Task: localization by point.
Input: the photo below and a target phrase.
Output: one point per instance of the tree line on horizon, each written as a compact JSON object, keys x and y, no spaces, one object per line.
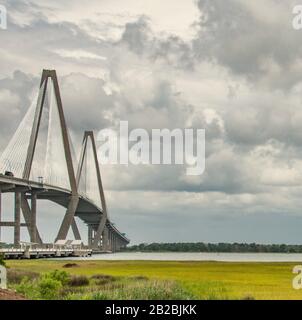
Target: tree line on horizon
{"x":215,"y":247}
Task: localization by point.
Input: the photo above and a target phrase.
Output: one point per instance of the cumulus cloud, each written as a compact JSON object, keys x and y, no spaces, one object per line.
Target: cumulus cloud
{"x":255,"y":40}
{"x":238,"y":77}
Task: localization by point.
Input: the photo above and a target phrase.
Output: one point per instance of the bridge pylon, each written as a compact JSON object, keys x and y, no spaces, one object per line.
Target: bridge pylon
{"x":18,"y":166}
{"x":95,"y":232}
{"x":74,"y":198}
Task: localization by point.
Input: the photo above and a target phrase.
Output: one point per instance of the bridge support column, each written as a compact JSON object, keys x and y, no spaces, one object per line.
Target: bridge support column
{"x":28,"y":216}
{"x":90,"y":239}
{"x":105,"y":239}
{"x":121,"y":244}
{"x":114,"y":242}
{"x":117,"y":239}
{"x":109,"y":241}
{"x":99,"y":231}
{"x":17,"y":219}
{"x":118,"y":247}
{"x":33,"y":218}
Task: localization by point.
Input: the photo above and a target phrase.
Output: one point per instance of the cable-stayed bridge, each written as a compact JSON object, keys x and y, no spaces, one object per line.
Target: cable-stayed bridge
{"x":40,"y":163}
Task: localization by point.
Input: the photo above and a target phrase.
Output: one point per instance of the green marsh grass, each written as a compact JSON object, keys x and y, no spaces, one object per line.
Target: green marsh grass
{"x":200,"y":280}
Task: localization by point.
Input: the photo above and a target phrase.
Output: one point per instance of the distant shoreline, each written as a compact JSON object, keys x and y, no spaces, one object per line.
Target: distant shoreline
{"x":200,"y":247}
{"x":126,"y":251}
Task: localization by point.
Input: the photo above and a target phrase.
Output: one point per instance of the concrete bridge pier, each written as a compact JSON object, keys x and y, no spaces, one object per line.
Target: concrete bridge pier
{"x":121,"y":244}
{"x":110,"y":241}
{"x":17,"y":219}
{"x":90,"y":236}
{"x":114,"y":243}
{"x":118,"y":244}
{"x":105,"y":239}
{"x":33,"y":218}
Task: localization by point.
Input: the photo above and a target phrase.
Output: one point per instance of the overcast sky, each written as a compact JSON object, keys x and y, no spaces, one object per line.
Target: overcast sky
{"x":232,"y":67}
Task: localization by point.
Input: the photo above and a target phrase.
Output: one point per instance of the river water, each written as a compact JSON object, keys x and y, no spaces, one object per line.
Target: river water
{"x":190,"y":256}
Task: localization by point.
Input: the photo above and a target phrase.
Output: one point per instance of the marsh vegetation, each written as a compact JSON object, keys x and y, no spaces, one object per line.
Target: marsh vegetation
{"x":164,"y":280}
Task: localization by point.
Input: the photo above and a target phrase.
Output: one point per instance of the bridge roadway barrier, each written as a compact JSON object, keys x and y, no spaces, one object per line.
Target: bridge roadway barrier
{"x":13,"y":253}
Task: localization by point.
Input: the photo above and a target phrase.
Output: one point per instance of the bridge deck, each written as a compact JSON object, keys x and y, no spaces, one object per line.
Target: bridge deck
{"x":87,"y":211}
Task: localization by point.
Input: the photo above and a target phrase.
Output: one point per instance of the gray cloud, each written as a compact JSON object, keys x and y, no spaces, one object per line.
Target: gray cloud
{"x":255,"y":40}
{"x":139,"y":38}
{"x":15,"y":94}
{"x":239,"y":79}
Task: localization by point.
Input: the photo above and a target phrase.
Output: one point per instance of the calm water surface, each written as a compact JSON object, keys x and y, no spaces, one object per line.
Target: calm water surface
{"x":189,"y":256}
